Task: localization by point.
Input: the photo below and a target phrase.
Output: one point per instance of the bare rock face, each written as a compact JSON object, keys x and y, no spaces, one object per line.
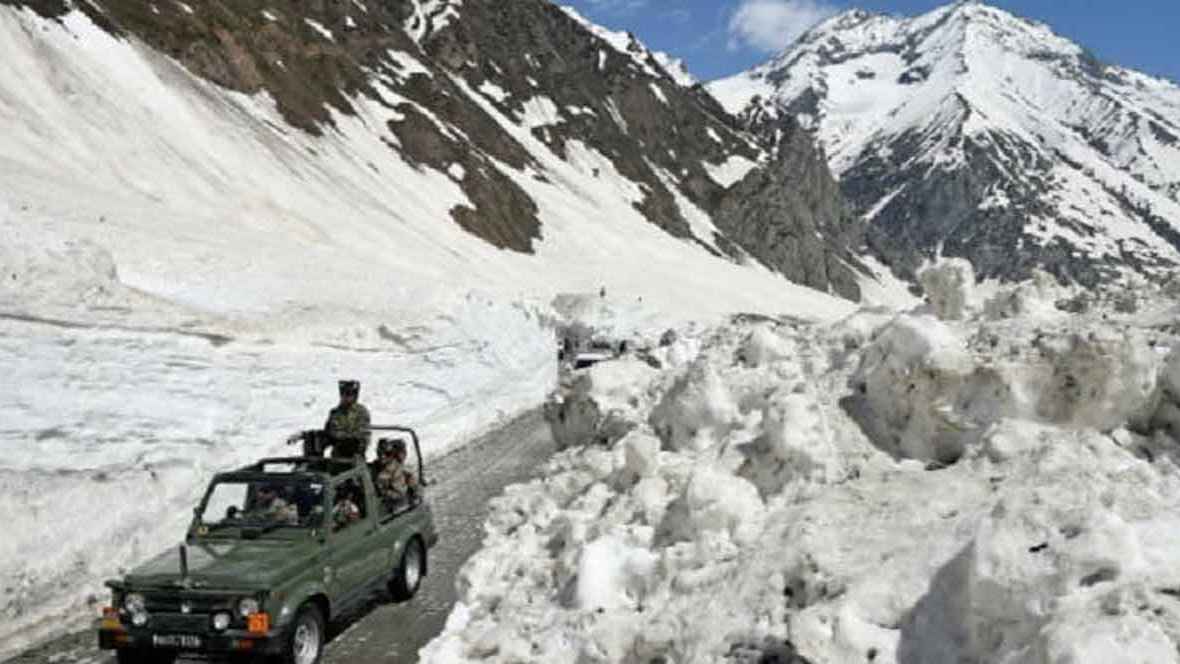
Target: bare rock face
{"x":485,"y":90}
{"x":790,"y":217}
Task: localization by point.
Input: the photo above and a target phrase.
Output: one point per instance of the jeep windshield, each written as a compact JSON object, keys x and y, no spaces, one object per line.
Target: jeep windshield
{"x":261,"y":506}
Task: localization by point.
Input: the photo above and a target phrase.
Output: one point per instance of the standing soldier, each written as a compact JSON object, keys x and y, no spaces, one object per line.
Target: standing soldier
{"x":347,"y":427}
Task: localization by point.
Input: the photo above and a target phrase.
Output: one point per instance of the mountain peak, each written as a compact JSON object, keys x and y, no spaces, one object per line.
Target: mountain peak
{"x":1024,"y":129}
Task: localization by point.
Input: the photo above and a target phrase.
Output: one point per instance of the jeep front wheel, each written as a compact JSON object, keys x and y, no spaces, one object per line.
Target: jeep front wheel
{"x":305,"y":644}
{"x":408,"y":574}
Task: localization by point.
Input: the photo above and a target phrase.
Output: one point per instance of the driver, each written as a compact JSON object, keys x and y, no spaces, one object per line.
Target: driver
{"x":269,"y":506}
{"x":347,"y":427}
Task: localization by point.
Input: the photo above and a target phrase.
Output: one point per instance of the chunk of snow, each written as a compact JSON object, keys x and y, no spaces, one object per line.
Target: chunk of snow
{"x":407,"y":64}
{"x":493,"y":91}
{"x":642,"y":454}
{"x":612,"y":574}
{"x":318,"y":27}
{"x":948,"y":285}
{"x":538,"y":112}
{"x":655,"y":90}
{"x":675,"y":69}
{"x":696,"y":412}
{"x":731,"y":171}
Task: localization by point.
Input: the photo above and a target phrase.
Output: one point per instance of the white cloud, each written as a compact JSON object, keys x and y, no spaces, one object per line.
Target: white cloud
{"x":772,"y":25}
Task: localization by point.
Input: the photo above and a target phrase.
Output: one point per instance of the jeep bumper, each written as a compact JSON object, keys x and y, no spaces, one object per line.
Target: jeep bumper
{"x":227,"y":642}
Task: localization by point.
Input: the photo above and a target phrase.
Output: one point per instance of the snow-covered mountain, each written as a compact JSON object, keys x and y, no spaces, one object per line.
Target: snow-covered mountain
{"x":972,"y":132}
{"x":503,"y":145}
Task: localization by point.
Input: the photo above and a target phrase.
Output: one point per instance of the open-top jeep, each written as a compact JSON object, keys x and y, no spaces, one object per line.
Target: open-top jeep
{"x":275,"y":550}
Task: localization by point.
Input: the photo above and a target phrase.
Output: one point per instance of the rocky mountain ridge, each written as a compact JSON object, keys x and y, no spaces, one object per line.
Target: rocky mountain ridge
{"x":971,"y":132}
{"x":472,"y":85}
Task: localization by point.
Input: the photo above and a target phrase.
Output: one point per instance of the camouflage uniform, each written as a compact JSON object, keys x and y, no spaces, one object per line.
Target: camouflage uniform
{"x":276,"y":510}
{"x":348,"y":429}
{"x":394,"y":482}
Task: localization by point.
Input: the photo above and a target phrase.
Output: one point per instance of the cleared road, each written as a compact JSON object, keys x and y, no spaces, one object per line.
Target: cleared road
{"x":467,"y":479}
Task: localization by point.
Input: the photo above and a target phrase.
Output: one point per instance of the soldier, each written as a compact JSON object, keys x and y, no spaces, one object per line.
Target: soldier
{"x":393,"y":481}
{"x":268,"y":506}
{"x":345,"y":510}
{"x":347,"y":427}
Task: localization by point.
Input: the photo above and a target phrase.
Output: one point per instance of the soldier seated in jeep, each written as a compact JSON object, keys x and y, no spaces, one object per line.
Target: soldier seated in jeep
{"x":396,"y":485}
{"x":268,"y":505}
{"x":345,"y":510}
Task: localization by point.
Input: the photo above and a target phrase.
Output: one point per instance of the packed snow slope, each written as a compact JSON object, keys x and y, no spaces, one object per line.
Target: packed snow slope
{"x":984,"y":479}
{"x":975,"y":133}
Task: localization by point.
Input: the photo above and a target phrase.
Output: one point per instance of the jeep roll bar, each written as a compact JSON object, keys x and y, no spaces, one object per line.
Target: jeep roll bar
{"x":314,"y":443}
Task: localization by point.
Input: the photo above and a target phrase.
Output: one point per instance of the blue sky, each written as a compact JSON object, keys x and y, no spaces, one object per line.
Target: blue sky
{"x":721,"y":37}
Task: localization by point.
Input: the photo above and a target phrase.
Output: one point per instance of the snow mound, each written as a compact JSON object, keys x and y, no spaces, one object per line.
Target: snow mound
{"x":696,"y":411}
{"x":601,"y":403}
{"x":764,"y":346}
{"x":37,"y":269}
{"x":948,"y":286}
{"x":888,"y":488}
{"x":924,"y":390}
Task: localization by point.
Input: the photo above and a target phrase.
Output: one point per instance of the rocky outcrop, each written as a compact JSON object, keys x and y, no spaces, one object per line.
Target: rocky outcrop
{"x":791,"y":217}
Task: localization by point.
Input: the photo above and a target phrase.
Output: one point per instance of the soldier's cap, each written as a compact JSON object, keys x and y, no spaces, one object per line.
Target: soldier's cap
{"x":350,"y":386}
{"x":391,"y":445}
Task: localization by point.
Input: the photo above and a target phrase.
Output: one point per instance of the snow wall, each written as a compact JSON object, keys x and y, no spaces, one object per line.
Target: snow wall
{"x":889,"y":489}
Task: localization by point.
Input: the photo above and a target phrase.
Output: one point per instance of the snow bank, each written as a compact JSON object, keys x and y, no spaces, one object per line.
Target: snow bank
{"x":41,"y":269}
{"x":888,"y":488}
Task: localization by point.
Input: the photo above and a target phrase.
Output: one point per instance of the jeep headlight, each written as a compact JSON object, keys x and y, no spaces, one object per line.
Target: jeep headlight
{"x":221,"y":620}
{"x":134,"y":603}
{"x":248,"y":606}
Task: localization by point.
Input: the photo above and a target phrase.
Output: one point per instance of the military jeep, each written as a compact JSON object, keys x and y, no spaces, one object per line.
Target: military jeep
{"x":268,"y":560}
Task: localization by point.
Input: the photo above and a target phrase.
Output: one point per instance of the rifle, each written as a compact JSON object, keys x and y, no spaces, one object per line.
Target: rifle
{"x":315,"y":441}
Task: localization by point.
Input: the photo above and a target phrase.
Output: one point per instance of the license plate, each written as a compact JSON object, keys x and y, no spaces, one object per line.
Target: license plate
{"x":176,"y":641}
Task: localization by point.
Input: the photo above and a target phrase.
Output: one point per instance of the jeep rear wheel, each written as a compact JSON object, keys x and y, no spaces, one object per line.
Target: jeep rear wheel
{"x":408,"y":574}
{"x":305,"y":644}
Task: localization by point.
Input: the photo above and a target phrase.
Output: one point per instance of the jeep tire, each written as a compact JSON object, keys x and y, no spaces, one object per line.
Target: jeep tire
{"x":305,"y":642}
{"x":407,"y":576}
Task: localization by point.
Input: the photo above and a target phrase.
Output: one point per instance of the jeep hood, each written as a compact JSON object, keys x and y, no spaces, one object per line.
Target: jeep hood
{"x":226,"y":564}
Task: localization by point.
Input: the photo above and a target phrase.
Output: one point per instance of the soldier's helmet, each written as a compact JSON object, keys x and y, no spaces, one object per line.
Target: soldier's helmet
{"x":350,"y":387}
{"x":387,"y":446}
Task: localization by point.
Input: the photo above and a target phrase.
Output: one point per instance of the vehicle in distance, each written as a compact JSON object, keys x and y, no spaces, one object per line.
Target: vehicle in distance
{"x":274,"y":552}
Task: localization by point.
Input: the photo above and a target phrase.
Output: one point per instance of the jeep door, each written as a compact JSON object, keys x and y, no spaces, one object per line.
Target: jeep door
{"x":351,"y":541}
